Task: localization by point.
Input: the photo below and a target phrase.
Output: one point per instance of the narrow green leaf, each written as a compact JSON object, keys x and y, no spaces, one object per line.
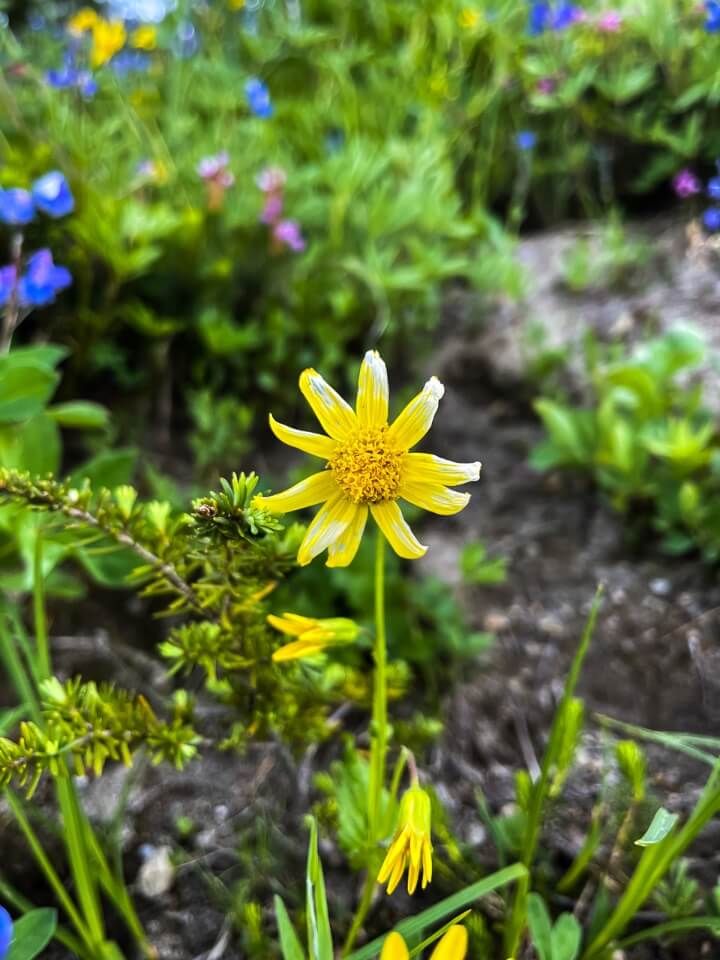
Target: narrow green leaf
{"x":671,"y":927}
{"x":318,"y":918}
{"x":80,"y":415}
{"x":662,"y":823}
{"x":289,"y":942}
{"x":32,"y":933}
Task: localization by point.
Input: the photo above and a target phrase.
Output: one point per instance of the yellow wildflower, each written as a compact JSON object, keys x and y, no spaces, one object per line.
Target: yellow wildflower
{"x":411,"y":847}
{"x":107,"y":38}
{"x":313,"y":635}
{"x":452,"y":946}
{"x":144,"y":38}
{"x":369,"y":466}
{"x":236,"y":4}
{"x":82,"y":21}
{"x":468,"y":18}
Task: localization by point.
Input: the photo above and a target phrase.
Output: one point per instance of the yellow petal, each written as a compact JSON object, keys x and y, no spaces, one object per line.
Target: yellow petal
{"x":392,"y":523}
{"x":328,"y":526}
{"x":320,"y":486}
{"x":336,"y":417}
{"x":433,"y":498}
{"x":342,"y":552}
{"x":427,"y":468}
{"x":394,"y":948}
{"x":291,"y":624}
{"x":373,"y":391}
{"x":417,"y":417}
{"x":453,"y":945}
{"x":313,"y":443}
{"x":298,"y":649}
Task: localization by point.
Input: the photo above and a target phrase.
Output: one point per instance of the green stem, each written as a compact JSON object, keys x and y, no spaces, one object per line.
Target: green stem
{"x":378,"y":730}
{"x":44,"y":665}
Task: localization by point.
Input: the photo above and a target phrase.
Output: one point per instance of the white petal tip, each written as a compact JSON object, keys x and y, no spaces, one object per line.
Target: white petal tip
{"x":434,"y":387}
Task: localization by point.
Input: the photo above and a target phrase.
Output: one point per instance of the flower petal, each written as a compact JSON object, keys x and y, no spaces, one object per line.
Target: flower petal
{"x":313,"y":443}
{"x":291,"y":624}
{"x":299,"y":649}
{"x":328,"y":526}
{"x":394,"y":948}
{"x":320,"y":486}
{"x":342,"y":552}
{"x":336,"y":417}
{"x":392,"y":523}
{"x":434,"y":498}
{"x":453,"y":945}
{"x":417,"y":417}
{"x":427,"y":468}
{"x":373,"y":391}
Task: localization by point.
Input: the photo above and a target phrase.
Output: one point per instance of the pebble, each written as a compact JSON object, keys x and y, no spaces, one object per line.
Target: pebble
{"x":157,"y":874}
{"x":660,"y":586}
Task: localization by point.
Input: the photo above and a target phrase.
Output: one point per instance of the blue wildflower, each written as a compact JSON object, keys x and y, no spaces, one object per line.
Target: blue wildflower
{"x":712,"y":8}
{"x":711,"y":219}
{"x":52,"y":195}
{"x":8,"y":281}
{"x":538,"y":18}
{"x":258,"y":97}
{"x":525,"y":140}
{"x":69,"y":78}
{"x":565,"y":15}
{"x":42,"y":280}
{"x":130,"y":61}
{"x":6,"y":928}
{"x":16,"y":206}
{"x":713,"y":188}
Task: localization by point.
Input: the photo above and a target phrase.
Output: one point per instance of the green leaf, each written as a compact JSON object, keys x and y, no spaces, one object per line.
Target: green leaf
{"x":566,"y":937}
{"x":414,"y":926}
{"x":109,"y":469}
{"x":540,"y":926}
{"x":662,"y":823}
{"x":662,"y":930}
{"x":318,"y":918}
{"x":80,"y":415}
{"x":25,"y":389}
{"x":32,"y":933}
{"x":289,"y":942}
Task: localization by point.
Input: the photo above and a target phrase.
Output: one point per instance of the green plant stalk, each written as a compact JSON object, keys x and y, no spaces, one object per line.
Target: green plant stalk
{"x":42,"y":643}
{"x":378,"y":745}
{"x":379,"y":727}
{"x":541,"y":789}
{"x":47,"y":868}
{"x":654,"y":864}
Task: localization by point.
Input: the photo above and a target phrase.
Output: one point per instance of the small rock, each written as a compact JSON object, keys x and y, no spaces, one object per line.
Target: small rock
{"x":157,"y":874}
{"x":495,"y":621}
{"x":661,"y":587}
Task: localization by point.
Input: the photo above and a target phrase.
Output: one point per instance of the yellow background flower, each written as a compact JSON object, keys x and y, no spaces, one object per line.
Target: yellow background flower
{"x":452,"y":946}
{"x":107,"y":38}
{"x":369,"y":466}
{"x":82,"y":21}
{"x":144,"y":38}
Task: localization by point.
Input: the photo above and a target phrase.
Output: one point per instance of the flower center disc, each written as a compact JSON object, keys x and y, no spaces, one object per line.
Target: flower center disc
{"x":366,"y":468}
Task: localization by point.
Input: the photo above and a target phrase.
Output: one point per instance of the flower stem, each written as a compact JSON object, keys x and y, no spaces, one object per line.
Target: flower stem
{"x":378,"y":730}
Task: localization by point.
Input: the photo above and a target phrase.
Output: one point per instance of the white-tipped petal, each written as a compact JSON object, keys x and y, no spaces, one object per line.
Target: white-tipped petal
{"x":320,"y":486}
{"x":427,"y":468}
{"x":315,"y":444}
{"x":327,"y":527}
{"x":373,"y":391}
{"x":389,"y":518}
{"x":336,"y":416}
{"x":434,"y":498}
{"x":417,"y":417}
{"x":342,"y":551}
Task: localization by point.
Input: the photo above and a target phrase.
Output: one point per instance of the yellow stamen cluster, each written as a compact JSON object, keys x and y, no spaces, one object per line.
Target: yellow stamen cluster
{"x":366,"y":468}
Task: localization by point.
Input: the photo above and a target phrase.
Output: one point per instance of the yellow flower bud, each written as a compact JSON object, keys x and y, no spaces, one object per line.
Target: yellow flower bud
{"x":411,"y":847}
{"x":453,"y":945}
{"x":313,"y":636}
{"x":394,"y":948}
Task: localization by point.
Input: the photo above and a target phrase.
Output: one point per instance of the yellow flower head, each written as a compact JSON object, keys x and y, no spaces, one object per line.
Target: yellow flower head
{"x":236,"y":4}
{"x":144,"y":38}
{"x":82,"y":21}
{"x":369,"y":466}
{"x":469,"y":18}
{"x":313,"y":636}
{"x":411,"y":847}
{"x":452,"y":946}
{"x":107,"y":38}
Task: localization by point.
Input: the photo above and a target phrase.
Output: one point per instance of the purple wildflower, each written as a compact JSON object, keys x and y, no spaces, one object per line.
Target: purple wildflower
{"x":286,"y":233}
{"x":686,"y":184}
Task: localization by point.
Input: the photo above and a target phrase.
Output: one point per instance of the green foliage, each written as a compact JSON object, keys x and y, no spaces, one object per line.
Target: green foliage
{"x":478,"y":568}
{"x":32,"y":933}
{"x":86,"y":726}
{"x":645,"y":439}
